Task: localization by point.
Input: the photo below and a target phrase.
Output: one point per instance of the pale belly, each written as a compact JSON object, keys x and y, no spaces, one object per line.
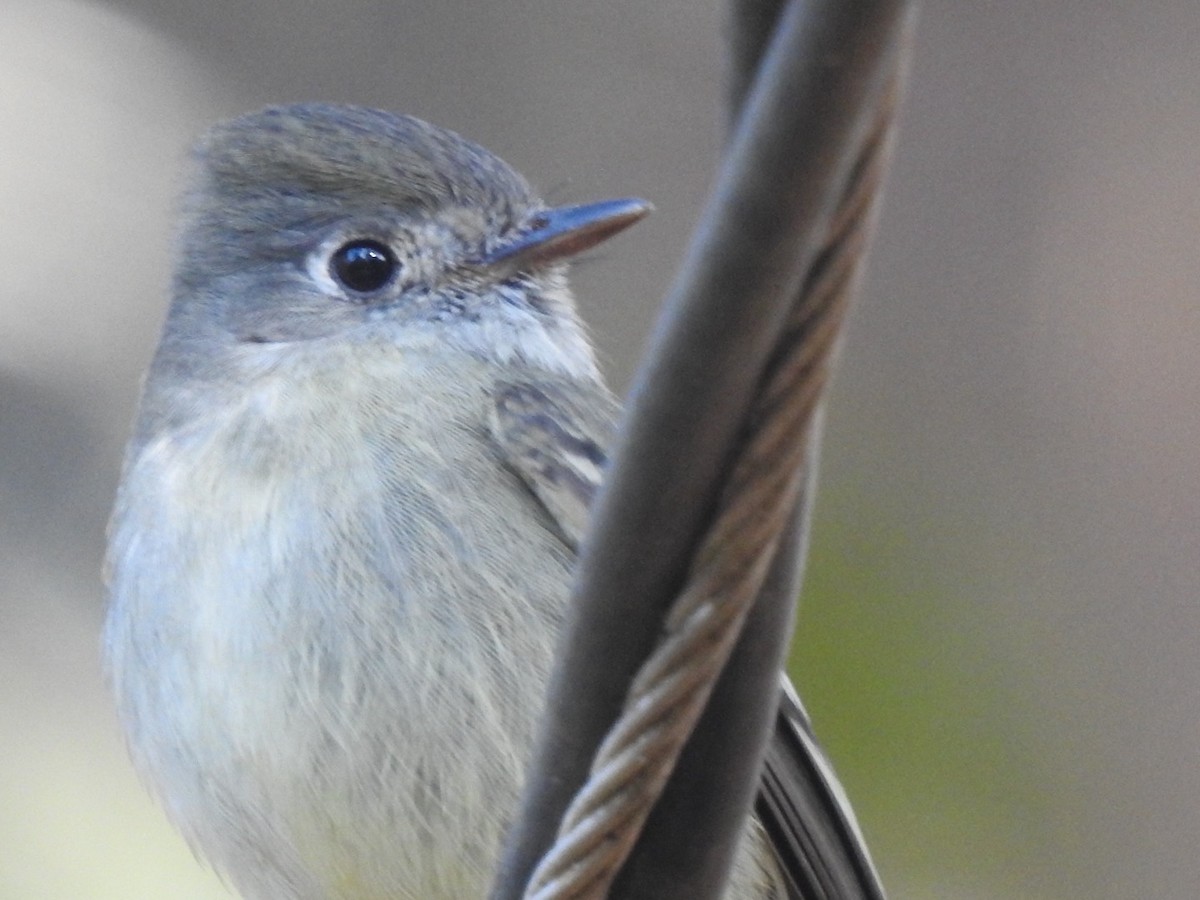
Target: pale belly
{"x":331,"y":627}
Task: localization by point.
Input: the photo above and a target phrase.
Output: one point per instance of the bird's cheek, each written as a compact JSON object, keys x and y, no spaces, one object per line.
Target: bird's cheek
{"x":304,"y":320}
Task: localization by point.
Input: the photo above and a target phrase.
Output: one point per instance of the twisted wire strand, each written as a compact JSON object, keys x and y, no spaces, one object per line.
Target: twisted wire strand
{"x":667,"y":697}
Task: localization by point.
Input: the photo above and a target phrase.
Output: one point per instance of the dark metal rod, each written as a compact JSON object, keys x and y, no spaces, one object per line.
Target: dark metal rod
{"x":784,"y":169}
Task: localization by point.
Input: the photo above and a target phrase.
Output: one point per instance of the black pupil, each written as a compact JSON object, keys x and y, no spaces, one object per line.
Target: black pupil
{"x":363,"y":266}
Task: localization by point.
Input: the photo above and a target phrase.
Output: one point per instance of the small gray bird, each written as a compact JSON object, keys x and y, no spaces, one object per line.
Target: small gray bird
{"x":347,"y":521}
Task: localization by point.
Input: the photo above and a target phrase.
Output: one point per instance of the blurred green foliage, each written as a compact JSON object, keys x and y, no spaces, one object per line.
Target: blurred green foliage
{"x":910,"y":705}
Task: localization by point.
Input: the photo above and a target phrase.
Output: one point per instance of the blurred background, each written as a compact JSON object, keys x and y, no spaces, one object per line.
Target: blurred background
{"x":999,"y":635}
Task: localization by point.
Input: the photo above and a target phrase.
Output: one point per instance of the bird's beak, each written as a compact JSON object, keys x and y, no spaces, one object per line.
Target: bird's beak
{"x":565,"y":231}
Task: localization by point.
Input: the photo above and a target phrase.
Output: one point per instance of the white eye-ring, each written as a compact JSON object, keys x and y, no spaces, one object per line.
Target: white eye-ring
{"x":354,"y":265}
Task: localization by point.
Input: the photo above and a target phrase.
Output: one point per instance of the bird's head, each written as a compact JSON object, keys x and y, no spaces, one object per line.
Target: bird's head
{"x":316,"y":221}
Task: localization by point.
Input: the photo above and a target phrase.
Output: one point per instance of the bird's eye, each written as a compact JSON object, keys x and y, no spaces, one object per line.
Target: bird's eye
{"x":363,"y":266}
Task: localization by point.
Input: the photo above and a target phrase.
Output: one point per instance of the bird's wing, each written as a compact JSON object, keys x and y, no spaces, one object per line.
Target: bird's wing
{"x":553,"y":435}
{"x":808,"y":817}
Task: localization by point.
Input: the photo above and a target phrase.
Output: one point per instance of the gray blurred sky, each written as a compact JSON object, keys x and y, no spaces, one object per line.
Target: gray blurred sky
{"x":1016,"y":399}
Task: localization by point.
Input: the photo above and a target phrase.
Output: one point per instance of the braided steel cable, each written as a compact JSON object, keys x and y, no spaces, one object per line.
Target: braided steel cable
{"x":669,"y":693}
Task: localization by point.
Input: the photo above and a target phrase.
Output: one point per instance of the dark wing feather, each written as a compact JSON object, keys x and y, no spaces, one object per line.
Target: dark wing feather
{"x":808,"y":817}
{"x":553,"y":435}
